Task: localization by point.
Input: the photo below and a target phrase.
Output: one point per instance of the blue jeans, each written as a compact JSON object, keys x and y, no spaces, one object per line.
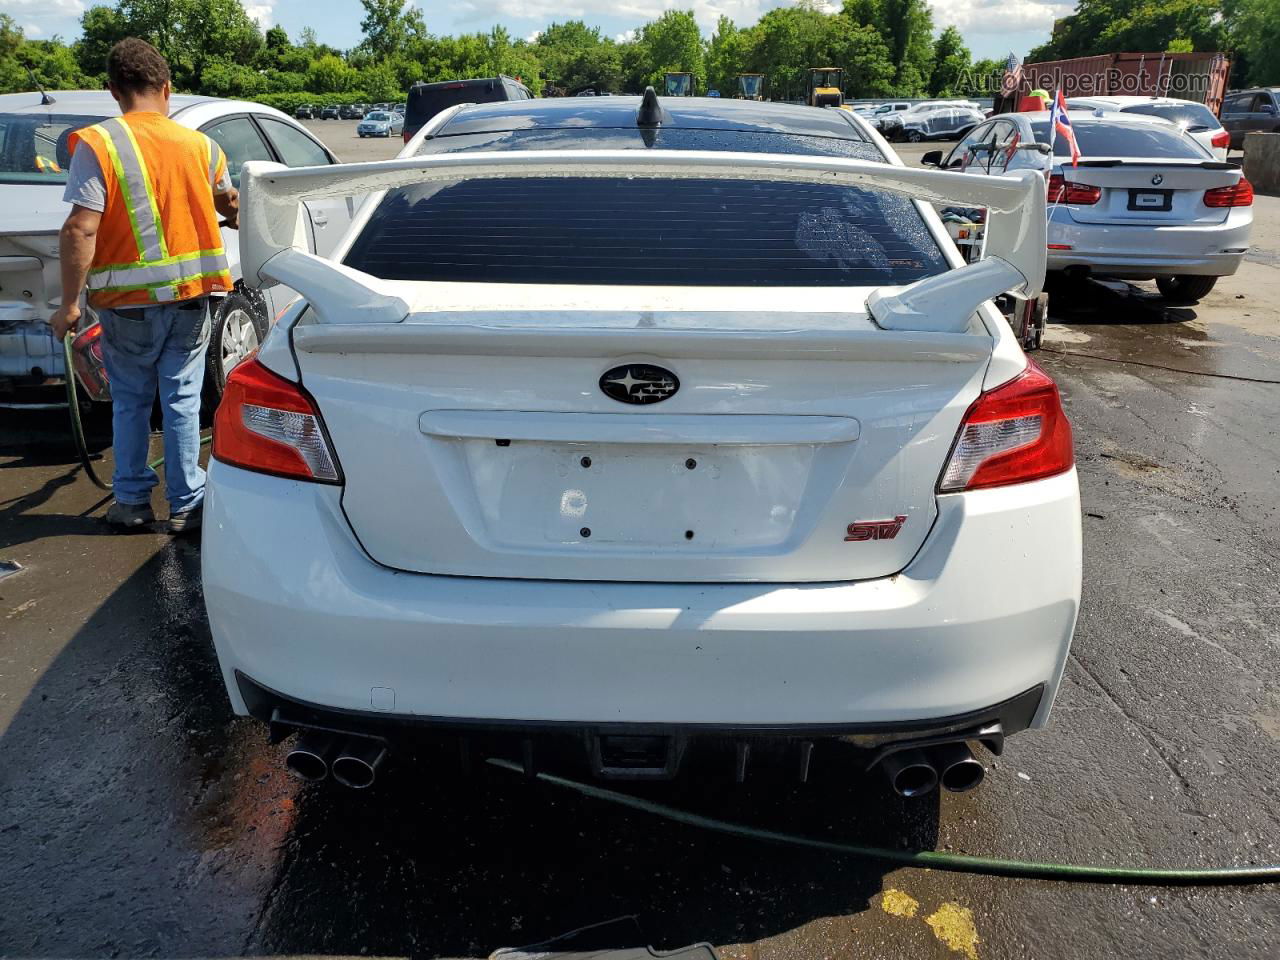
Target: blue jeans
{"x":147,"y":349}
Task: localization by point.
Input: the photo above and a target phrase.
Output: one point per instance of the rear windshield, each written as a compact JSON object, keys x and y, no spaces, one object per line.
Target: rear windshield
{"x":426,"y":101}
{"x":647,"y":231}
{"x":1193,"y":117}
{"x":33,"y":147}
{"x":1103,"y":139}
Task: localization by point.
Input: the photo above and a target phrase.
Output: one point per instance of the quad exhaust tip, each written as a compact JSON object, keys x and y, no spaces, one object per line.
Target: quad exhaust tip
{"x":915,"y":773}
{"x":357,"y":763}
{"x":353,"y":761}
{"x":309,"y":758}
{"x":910,"y":773}
{"x":959,"y":770}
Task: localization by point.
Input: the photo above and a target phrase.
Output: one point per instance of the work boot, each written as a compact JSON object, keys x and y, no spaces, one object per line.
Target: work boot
{"x":130,"y":516}
{"x":187,"y":520}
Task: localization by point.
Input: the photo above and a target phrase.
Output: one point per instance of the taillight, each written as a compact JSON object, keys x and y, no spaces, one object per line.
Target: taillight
{"x":1012,"y":434}
{"x":1237,"y":195}
{"x":1064,"y":191}
{"x":268,"y":424}
{"x":1221,"y":140}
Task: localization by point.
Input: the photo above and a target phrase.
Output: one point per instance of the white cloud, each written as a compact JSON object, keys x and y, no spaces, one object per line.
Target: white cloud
{"x":533,"y":37}
{"x":998,"y":16}
{"x":262,"y":13}
{"x":626,"y":36}
{"x":42,"y":18}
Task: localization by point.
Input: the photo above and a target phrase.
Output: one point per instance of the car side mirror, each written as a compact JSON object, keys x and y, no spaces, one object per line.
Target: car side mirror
{"x":932,"y":159}
{"x":1269,"y":109}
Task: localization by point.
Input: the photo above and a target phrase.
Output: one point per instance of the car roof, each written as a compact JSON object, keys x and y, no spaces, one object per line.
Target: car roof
{"x":1090,"y":116}
{"x":84,"y":101}
{"x":1129,"y":100}
{"x":703,"y":113}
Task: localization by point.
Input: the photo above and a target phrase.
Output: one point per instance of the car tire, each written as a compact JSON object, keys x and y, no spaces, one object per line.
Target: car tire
{"x":915,"y":136}
{"x":237,"y":328}
{"x":1185,"y":288}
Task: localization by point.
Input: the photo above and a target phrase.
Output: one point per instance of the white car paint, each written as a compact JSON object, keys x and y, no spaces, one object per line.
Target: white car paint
{"x":425,"y":586}
{"x":35,"y":212}
{"x":1203,"y":135}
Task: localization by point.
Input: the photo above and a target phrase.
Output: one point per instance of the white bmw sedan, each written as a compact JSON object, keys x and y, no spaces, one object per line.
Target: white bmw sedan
{"x":656,"y":423}
{"x":1146,"y":200}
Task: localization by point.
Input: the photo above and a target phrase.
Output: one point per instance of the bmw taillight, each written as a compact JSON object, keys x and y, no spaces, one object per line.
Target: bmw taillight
{"x":1237,"y":195}
{"x":1062,"y":190}
{"x":268,"y":424}
{"x":1012,"y":434}
{"x":1221,"y":140}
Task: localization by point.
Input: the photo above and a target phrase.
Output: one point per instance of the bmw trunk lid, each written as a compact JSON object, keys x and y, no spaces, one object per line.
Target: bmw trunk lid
{"x":742,"y":439}
{"x":1150,"y":192}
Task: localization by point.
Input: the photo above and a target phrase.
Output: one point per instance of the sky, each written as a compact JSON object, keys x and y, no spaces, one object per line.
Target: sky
{"x":992,"y":28}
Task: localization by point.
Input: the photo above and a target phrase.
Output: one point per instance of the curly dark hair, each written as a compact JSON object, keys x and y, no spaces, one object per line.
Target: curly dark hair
{"x":135,"y":66}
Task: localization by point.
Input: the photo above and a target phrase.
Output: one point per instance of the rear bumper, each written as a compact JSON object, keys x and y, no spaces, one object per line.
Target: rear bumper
{"x":1143,"y":252}
{"x":28,"y":350}
{"x":984,"y":613}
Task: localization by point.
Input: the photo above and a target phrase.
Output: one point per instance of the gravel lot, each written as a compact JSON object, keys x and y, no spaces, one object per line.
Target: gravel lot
{"x":138,"y":818}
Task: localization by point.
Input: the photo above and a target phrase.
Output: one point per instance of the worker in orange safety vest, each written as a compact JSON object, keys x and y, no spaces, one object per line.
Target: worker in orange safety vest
{"x":143,"y":235}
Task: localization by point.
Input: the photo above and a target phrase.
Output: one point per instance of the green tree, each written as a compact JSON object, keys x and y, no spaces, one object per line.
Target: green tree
{"x":951,"y":61}
{"x":13,"y":74}
{"x":101,"y":27}
{"x":385,"y":26}
{"x":330,"y":74}
{"x":214,"y":32}
{"x":906,"y":26}
{"x":1255,"y":34}
{"x":728,"y":54}
{"x":673,"y":44}
{"x":1112,"y":26}
{"x":573,"y":55}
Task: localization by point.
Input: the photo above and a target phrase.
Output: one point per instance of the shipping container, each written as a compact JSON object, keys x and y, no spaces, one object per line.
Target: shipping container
{"x":1188,"y":76}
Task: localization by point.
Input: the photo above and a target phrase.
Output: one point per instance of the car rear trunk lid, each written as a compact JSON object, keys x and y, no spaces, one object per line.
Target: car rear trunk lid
{"x":484,"y":444}
{"x":1163,"y":192}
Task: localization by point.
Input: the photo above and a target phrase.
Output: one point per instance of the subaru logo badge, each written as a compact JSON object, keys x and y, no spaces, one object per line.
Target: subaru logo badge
{"x":638,"y":383}
{"x":1157,"y":180}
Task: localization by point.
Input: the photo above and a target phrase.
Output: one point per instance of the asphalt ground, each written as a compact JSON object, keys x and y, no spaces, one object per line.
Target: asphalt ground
{"x":139,"y":818}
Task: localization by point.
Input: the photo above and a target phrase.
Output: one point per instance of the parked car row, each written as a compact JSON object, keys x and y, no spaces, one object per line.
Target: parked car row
{"x":346,"y":111}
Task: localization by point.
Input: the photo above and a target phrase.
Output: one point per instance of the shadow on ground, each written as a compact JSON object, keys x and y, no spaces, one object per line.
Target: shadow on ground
{"x":140,"y":818}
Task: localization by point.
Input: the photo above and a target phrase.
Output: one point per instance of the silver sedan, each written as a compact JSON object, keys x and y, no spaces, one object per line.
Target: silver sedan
{"x":381,"y":123}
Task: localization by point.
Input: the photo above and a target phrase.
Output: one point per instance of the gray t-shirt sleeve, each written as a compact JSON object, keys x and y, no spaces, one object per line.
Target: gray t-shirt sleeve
{"x":85,"y":187}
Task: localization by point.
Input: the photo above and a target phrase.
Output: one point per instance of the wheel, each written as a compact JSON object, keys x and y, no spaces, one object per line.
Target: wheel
{"x":238,"y":327}
{"x":915,"y":136}
{"x":1185,"y":288}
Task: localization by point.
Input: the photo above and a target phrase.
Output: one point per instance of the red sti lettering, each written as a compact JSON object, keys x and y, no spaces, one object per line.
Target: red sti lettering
{"x":874,"y":530}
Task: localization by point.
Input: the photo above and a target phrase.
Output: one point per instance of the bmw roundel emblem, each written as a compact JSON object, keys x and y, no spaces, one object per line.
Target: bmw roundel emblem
{"x":1157,"y":180}
{"x":638,"y":383}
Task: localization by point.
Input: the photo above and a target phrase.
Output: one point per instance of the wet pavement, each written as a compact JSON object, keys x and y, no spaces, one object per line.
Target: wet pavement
{"x":139,"y":818}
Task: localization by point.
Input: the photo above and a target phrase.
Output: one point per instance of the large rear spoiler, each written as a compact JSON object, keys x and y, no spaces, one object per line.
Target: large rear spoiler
{"x":273,"y":247}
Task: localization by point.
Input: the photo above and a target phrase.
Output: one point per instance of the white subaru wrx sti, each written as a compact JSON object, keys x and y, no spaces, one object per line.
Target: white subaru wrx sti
{"x":645,"y":425}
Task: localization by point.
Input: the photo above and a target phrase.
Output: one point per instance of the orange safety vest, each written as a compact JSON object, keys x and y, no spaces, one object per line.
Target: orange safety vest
{"x":159,"y":240}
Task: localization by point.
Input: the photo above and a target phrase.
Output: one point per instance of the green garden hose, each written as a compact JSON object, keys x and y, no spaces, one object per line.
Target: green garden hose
{"x":929,"y":859}
{"x":77,"y":427}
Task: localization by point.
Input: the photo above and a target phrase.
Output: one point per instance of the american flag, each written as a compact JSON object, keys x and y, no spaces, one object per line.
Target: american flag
{"x":1060,"y":126}
{"x":1012,"y":77}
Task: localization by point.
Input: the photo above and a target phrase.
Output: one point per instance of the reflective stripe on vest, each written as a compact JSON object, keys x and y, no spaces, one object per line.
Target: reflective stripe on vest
{"x":213,"y":163}
{"x":154,"y":271}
